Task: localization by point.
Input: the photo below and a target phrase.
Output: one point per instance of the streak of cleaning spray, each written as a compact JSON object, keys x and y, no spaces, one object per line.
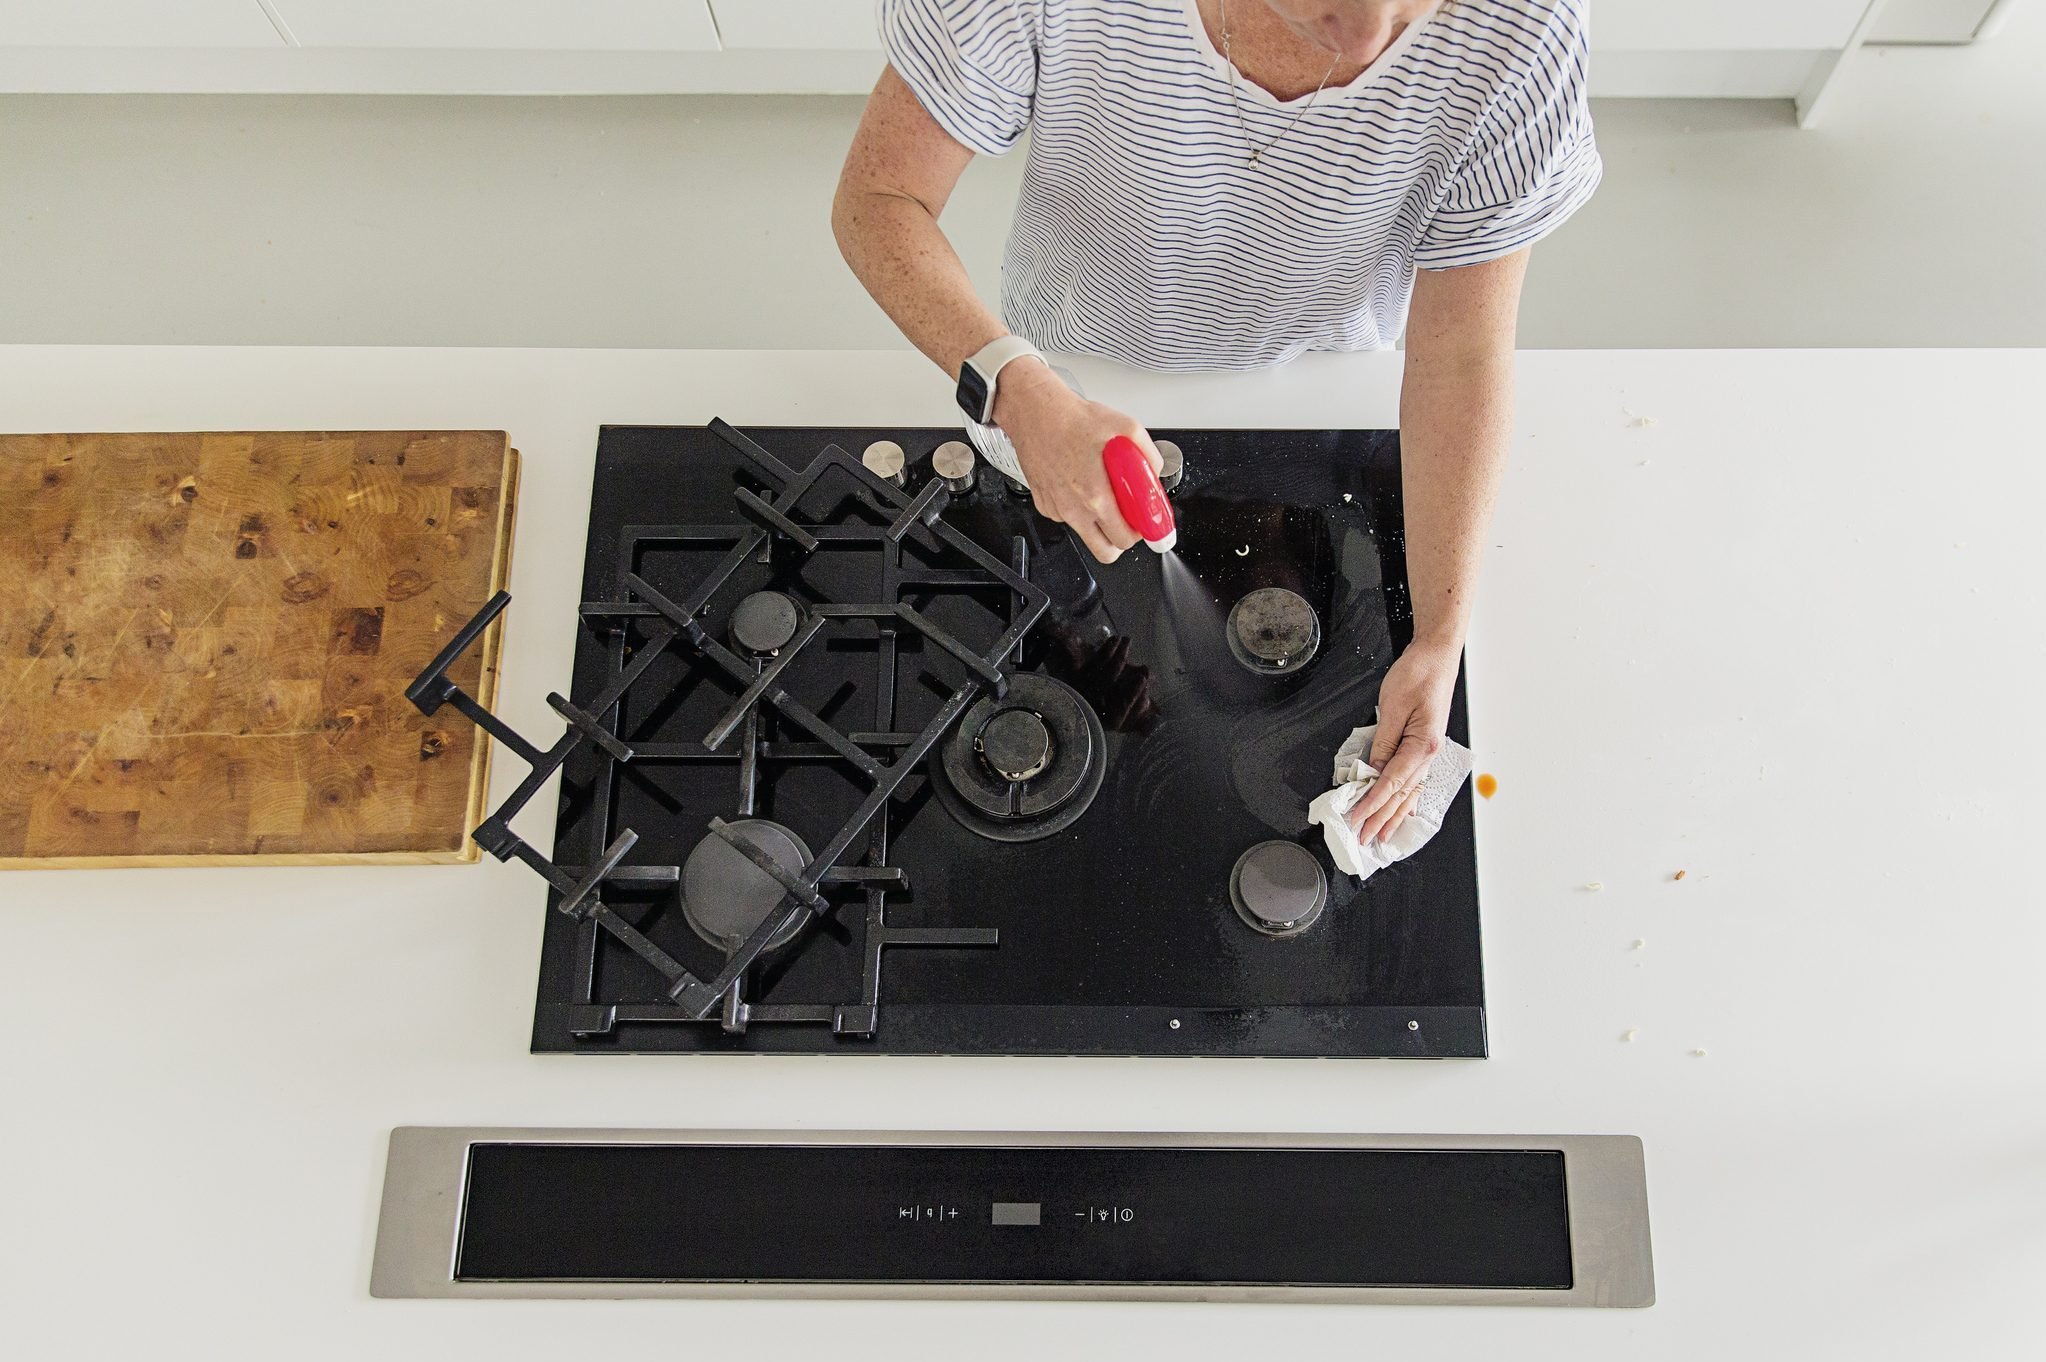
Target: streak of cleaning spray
{"x":1140,"y":496}
{"x":1196,"y":611}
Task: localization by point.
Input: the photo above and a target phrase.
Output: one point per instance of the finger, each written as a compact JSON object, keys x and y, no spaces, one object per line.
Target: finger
{"x":1398,"y":777}
{"x":1387,"y":816}
{"x":1408,"y":765}
{"x":1379,"y":825}
{"x":1356,"y":816}
{"x":1371,"y":804}
{"x":1117,"y":532}
{"x":1113,"y":527}
{"x":1400,"y":815}
{"x":1150,"y":448}
{"x":1116,"y":542}
{"x":1384,"y":788}
{"x":1383,"y":744}
{"x":1097,"y":543}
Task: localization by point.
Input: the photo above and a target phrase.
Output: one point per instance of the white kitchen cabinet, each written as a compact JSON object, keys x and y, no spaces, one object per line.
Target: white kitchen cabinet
{"x":826,"y":25}
{"x":1617,"y":25}
{"x":1723,"y":25}
{"x":1929,"y":21}
{"x":503,"y":25}
{"x":1745,"y":49}
{"x":136,"y":23}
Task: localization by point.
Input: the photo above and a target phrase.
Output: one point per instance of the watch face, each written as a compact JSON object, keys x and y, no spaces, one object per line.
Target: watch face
{"x":973,"y":394}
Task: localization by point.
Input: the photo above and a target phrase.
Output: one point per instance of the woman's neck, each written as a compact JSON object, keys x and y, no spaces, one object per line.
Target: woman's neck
{"x":1270,"y":54}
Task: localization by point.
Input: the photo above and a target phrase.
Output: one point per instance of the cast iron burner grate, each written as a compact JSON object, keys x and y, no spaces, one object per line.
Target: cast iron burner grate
{"x":884,"y":759}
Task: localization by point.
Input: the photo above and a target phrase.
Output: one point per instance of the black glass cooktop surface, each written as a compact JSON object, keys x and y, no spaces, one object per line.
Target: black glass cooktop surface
{"x":1058,"y":872}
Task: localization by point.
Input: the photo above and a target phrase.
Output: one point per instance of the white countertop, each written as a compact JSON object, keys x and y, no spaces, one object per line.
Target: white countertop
{"x":1788,"y":637}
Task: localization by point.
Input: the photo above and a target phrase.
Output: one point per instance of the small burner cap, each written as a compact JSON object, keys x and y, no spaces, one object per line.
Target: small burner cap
{"x":765,"y":621}
{"x":885,"y":459}
{"x":725,"y":895}
{"x":1016,"y":745}
{"x":1278,"y":888}
{"x":1273,"y":630}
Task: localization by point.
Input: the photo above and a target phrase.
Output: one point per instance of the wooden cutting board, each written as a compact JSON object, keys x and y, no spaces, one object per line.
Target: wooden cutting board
{"x":205,"y":641}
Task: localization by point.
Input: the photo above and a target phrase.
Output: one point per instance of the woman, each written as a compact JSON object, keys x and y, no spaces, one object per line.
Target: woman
{"x":1223,"y":184}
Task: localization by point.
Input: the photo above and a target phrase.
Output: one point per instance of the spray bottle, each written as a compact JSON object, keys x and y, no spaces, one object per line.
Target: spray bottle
{"x":1138,"y":493}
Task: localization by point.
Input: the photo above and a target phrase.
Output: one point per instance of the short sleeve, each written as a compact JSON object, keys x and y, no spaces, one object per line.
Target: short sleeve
{"x":1532,"y":163}
{"x":972,"y":64}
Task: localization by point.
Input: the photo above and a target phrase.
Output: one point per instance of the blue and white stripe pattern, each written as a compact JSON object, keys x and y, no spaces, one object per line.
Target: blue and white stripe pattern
{"x":1144,"y":233}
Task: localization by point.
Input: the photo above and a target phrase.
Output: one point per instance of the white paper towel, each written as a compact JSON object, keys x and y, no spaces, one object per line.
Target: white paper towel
{"x":1354,"y":774}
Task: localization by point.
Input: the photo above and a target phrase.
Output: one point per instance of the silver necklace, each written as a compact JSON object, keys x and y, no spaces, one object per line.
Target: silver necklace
{"x":1236,"y":98}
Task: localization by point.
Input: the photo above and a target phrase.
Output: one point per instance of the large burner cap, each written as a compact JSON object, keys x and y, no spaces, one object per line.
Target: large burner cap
{"x":765,"y":621}
{"x":1015,"y":744}
{"x":725,"y":895}
{"x":1023,"y":766}
{"x":1273,"y":630}
{"x":1278,"y":888}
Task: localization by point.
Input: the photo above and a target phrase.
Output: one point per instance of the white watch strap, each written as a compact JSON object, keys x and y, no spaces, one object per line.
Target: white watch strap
{"x":997,"y":353}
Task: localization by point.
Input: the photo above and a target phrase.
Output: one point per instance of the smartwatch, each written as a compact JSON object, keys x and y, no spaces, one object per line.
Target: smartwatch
{"x":977,"y":376}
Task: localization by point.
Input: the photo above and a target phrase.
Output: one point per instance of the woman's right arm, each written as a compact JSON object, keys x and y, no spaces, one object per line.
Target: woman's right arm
{"x":897,"y":178}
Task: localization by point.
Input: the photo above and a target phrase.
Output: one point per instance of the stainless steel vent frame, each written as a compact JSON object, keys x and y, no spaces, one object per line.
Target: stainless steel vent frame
{"x":425,"y":1174}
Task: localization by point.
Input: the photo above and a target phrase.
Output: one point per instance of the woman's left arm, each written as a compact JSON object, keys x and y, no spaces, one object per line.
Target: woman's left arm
{"x":1456,"y":422}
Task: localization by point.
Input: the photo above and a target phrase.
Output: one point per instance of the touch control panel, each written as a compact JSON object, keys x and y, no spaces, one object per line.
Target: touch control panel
{"x":865,"y":1213}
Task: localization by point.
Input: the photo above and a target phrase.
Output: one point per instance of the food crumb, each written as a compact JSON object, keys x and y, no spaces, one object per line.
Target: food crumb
{"x":1630,"y":1033}
{"x":1680,"y":874}
{"x":1594,"y":885}
{"x":1639,"y":945}
{"x":1346,"y":496}
{"x":1488,"y":785}
{"x":1698,"y":1053}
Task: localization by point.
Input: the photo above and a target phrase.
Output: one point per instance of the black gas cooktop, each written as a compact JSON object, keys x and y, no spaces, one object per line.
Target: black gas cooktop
{"x":867,"y":760}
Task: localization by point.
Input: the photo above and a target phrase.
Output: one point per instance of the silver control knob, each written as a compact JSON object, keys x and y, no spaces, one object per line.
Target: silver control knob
{"x":1174,"y":466}
{"x":885,"y":460}
{"x":953,"y":463}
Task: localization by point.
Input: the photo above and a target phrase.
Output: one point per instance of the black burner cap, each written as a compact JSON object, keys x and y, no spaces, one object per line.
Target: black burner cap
{"x":765,"y":621}
{"x":725,"y":895}
{"x":1015,"y":744}
{"x":1278,"y":888}
{"x":1274,"y":630}
{"x":1023,"y":766}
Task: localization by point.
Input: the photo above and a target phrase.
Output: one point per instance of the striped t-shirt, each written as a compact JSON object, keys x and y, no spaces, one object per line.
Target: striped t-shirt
{"x":1143,"y":231}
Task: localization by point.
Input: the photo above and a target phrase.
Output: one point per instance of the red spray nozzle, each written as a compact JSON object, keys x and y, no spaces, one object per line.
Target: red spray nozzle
{"x":1138,"y":493}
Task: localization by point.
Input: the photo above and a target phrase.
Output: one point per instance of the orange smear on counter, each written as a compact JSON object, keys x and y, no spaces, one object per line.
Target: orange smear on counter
{"x":1488,"y":785}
